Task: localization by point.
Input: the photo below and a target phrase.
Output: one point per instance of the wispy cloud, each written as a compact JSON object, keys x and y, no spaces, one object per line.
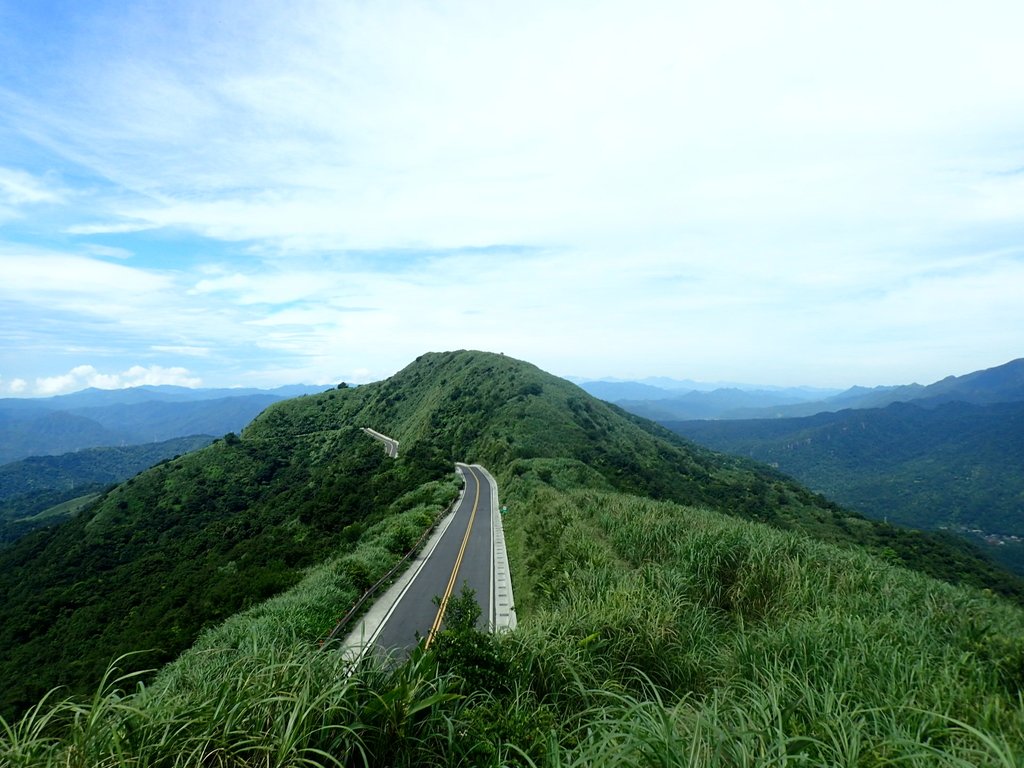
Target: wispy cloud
{"x":20,"y":188}
{"x":83,"y":376}
{"x":119,"y":228}
{"x":185,"y":351}
{"x":711,"y":190}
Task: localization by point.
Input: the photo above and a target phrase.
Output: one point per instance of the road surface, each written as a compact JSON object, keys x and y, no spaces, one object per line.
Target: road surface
{"x":390,"y":445}
{"x":466,"y":550}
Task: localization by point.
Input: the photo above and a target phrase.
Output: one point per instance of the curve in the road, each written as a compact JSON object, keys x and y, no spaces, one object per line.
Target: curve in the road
{"x":463,"y":551}
{"x":390,"y":444}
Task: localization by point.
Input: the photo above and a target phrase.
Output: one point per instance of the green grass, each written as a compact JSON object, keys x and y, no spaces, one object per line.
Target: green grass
{"x":64,"y":509}
{"x":651,"y":632}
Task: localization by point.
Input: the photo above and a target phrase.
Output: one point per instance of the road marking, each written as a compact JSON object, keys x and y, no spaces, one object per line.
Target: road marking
{"x":368,"y":642}
{"x":458,"y":562}
{"x":492,"y":618}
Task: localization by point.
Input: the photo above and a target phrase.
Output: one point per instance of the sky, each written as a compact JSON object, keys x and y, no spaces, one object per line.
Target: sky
{"x":259,"y":193}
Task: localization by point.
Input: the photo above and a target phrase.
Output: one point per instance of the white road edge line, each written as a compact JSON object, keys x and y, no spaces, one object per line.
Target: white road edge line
{"x":357,"y":642}
{"x":502,"y":599}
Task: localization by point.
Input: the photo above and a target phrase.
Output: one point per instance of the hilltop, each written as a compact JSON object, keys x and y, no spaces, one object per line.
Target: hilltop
{"x":672,"y":601}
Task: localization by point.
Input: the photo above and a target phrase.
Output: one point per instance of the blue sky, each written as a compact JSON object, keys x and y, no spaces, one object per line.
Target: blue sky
{"x":247,"y":193}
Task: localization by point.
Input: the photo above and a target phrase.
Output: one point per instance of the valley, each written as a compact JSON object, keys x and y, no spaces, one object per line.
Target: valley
{"x":671,"y":601}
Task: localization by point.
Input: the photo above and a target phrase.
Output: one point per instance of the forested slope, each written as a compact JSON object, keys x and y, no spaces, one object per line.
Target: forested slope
{"x":182,"y":547}
{"x":499,"y":411}
{"x":955,"y":465}
{"x":31,"y":486}
{"x":655,"y":623}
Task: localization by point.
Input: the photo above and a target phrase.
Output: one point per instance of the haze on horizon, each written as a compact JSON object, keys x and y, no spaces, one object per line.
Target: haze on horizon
{"x":248,"y":194}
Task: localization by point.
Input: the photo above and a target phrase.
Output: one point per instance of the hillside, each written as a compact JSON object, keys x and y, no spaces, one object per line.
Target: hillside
{"x":182,"y":546}
{"x":32,"y":486}
{"x":954,"y":465}
{"x":654,"y":620}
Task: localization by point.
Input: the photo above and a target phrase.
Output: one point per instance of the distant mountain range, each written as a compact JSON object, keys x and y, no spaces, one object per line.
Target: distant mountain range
{"x":35,"y":492}
{"x":163,"y":557}
{"x":1004,"y":383}
{"x":96,"y":417}
{"x":947,"y":455}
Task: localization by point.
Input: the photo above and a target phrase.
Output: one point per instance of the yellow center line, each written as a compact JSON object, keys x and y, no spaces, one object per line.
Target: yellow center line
{"x":455,"y":571}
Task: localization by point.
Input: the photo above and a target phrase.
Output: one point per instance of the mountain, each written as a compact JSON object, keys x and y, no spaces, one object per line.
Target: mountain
{"x":93,"y":417}
{"x":31,"y":432}
{"x":675,"y":604}
{"x":161,"y":420}
{"x":717,"y":404}
{"x":949,"y":466}
{"x":1001,"y":384}
{"x":674,"y":401}
{"x":93,"y":397}
{"x":613,"y":391}
{"x":31,"y":487}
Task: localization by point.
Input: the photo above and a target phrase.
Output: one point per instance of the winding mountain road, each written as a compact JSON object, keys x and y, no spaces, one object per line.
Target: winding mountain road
{"x":466,"y":549}
{"x":390,"y":444}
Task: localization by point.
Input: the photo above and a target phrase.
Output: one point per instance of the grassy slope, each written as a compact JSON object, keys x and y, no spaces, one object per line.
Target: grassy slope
{"x":500,"y":411}
{"x":651,"y":632}
{"x":738,"y":644}
{"x":181,"y":547}
{"x":956,"y":465}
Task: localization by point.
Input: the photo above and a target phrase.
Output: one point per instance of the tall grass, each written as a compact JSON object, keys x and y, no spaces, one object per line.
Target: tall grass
{"x":651,"y":634}
{"x":759,"y":647}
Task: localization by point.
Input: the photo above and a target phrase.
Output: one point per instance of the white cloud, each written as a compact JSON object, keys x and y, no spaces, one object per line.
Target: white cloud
{"x":84,"y":376}
{"x":107,"y":251}
{"x":20,"y":188}
{"x":695,"y":185}
{"x":109,"y":229}
{"x":12,"y":387}
{"x":29,"y":271}
{"x":184,"y":351}
{"x":622,"y":119}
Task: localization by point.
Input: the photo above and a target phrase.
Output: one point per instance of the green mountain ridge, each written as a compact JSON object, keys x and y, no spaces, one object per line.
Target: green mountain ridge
{"x":954,"y":465}
{"x":672,"y":601}
{"x":32,"y":486}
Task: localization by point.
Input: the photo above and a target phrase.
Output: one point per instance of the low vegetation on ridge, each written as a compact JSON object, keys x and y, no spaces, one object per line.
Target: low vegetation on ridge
{"x":676,"y":608}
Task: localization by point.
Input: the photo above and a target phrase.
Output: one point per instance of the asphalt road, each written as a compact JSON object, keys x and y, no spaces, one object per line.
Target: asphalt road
{"x":390,"y":445}
{"x":462,"y":556}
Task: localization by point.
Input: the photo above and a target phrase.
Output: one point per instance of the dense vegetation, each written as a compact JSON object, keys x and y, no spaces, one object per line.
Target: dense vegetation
{"x":491,"y":409}
{"x":30,"y":489}
{"x":682,"y":637}
{"x":954,"y":466}
{"x":184,"y":546}
{"x":656,"y":626}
